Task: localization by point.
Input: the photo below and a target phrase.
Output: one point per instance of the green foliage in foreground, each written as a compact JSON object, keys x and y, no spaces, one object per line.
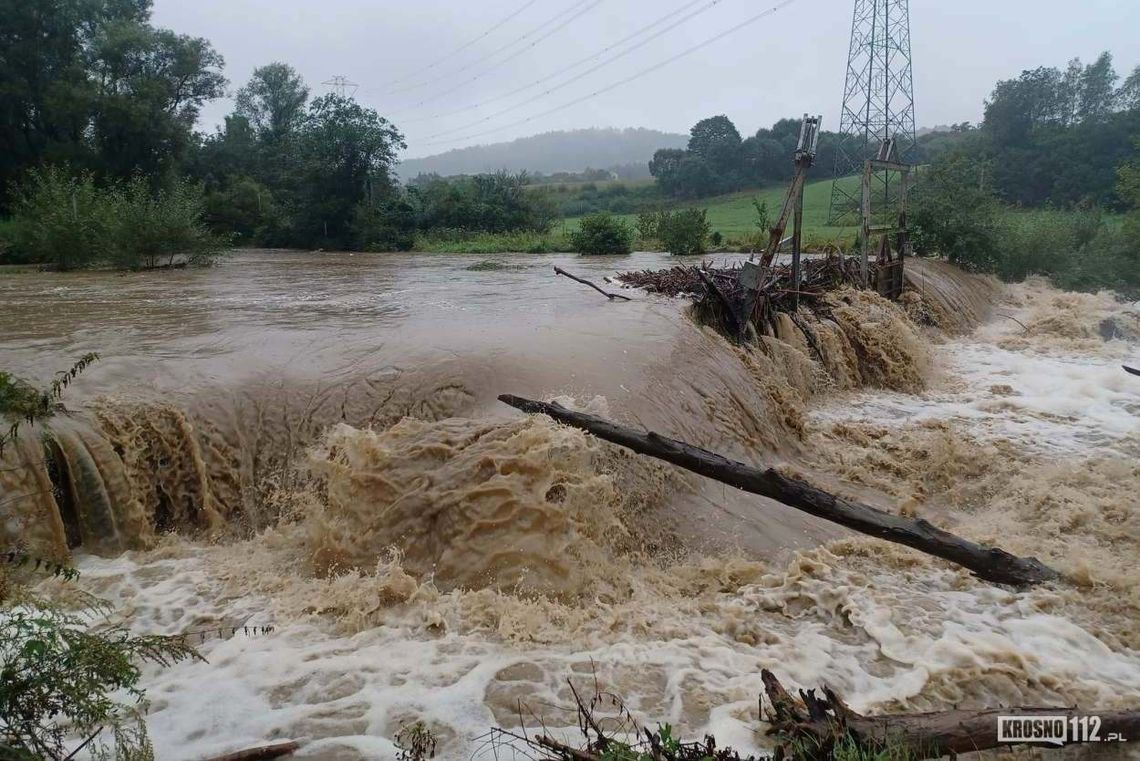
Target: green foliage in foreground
{"x":68,"y":222}
{"x":954,"y":214}
{"x":62,"y":679}
{"x":20,"y":402}
{"x":603,"y":234}
{"x":59,"y":678}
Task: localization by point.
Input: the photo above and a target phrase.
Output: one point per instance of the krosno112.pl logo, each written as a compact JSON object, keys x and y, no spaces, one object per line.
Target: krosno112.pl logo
{"x":1053,"y":730}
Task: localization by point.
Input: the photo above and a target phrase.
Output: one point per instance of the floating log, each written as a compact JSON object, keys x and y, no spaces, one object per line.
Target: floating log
{"x":260,"y":754}
{"x":583,"y":281}
{"x":812,"y":727}
{"x":987,"y":563}
{"x":1131,"y":370}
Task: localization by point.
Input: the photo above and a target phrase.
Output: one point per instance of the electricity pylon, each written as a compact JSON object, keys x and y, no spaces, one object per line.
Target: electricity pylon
{"x":340,"y":84}
{"x":878,"y":104}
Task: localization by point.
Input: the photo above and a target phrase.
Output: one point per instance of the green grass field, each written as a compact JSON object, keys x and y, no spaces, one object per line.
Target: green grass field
{"x":735,"y":218}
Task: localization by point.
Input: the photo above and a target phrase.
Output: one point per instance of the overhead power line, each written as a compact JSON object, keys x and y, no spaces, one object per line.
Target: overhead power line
{"x":581,"y":75}
{"x":494,"y":28}
{"x":624,"y":81}
{"x":559,"y":20}
{"x":707,"y":4}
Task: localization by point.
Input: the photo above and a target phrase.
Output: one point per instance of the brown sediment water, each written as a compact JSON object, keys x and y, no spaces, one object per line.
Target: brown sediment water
{"x":312,"y":441}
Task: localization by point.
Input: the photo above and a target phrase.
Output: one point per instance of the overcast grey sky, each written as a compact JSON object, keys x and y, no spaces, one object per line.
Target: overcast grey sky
{"x":785,"y":64}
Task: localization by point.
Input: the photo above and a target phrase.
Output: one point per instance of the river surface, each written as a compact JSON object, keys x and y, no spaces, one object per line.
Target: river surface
{"x":311,"y":441}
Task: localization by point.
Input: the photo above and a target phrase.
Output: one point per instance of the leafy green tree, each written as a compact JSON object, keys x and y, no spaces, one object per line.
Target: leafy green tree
{"x":493,"y":203}
{"x":345,"y":157}
{"x":664,"y":165}
{"x":602,"y":234}
{"x":152,"y":85}
{"x":245,"y":209}
{"x":1128,"y":188}
{"x":1098,"y":89}
{"x":1128,"y":96}
{"x":90,"y":83}
{"x":954,"y":214}
{"x":717,"y":141}
{"x":273,"y":101}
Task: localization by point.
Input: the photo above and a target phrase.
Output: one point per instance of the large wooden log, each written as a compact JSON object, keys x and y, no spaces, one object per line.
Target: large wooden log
{"x":988,"y":563}
{"x":812,"y":728}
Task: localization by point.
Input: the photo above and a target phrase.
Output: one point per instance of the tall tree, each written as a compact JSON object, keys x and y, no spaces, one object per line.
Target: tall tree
{"x":1128,"y":96}
{"x":91,"y":83}
{"x":346,"y":157}
{"x":273,"y":100}
{"x":717,"y":141}
{"x":1098,"y":89}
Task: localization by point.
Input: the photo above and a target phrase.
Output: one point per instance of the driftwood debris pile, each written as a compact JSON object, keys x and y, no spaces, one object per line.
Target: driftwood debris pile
{"x":808,"y":728}
{"x":724,"y":301}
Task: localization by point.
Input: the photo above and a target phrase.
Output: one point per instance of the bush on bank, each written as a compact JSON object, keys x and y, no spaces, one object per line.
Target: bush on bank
{"x":602,"y":234}
{"x":67,"y":222}
{"x":684,"y":232}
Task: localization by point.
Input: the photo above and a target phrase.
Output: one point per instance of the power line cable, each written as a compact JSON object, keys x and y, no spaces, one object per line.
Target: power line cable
{"x":581,"y":75}
{"x":624,"y":81}
{"x":559,"y":72}
{"x":494,"y":28}
{"x":574,"y":11}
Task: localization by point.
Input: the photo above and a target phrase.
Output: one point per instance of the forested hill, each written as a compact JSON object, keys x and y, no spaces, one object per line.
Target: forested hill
{"x":563,"y":151}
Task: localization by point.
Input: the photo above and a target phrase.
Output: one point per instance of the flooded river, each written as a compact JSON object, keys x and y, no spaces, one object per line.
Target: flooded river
{"x":312,"y":442}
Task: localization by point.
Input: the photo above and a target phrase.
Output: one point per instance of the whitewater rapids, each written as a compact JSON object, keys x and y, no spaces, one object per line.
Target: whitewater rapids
{"x":311,"y":442}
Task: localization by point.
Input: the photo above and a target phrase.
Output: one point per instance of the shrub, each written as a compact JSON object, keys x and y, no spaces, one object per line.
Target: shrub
{"x":68,"y":222}
{"x":60,"y":220}
{"x":60,"y":678}
{"x":389,"y":226}
{"x":684,"y":232}
{"x":151,"y":229}
{"x":602,"y":233}
{"x":649,"y":224}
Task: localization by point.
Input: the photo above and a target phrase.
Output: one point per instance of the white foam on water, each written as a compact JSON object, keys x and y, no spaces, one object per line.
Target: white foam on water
{"x":880,"y":636}
{"x":1044,"y":395}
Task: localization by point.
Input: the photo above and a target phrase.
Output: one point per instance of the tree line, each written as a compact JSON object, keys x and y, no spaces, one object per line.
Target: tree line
{"x":1062,"y":142}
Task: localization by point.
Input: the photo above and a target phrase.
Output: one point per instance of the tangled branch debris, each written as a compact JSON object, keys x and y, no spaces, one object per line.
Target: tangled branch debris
{"x":815,"y":728}
{"x":725,"y":302}
{"x":807,"y":728}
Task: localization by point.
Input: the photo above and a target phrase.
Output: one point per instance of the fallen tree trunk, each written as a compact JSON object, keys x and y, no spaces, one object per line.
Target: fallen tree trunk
{"x":988,"y":563}
{"x":583,"y":281}
{"x":260,"y":754}
{"x":812,"y":729}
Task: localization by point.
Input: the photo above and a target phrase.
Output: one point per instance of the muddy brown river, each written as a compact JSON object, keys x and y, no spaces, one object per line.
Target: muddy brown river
{"x":311,"y":441}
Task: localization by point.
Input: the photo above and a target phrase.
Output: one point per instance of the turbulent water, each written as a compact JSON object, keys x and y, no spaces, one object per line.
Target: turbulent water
{"x":312,"y":442}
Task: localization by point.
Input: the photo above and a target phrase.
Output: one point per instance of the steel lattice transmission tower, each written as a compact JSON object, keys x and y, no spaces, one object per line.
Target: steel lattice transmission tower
{"x":878,"y":103}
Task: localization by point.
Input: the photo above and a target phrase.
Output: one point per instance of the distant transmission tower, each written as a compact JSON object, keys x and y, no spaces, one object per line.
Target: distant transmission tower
{"x":340,"y":84}
{"x":878,"y":104}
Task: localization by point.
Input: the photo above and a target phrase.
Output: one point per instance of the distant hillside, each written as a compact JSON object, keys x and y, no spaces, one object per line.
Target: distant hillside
{"x":563,"y":151}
